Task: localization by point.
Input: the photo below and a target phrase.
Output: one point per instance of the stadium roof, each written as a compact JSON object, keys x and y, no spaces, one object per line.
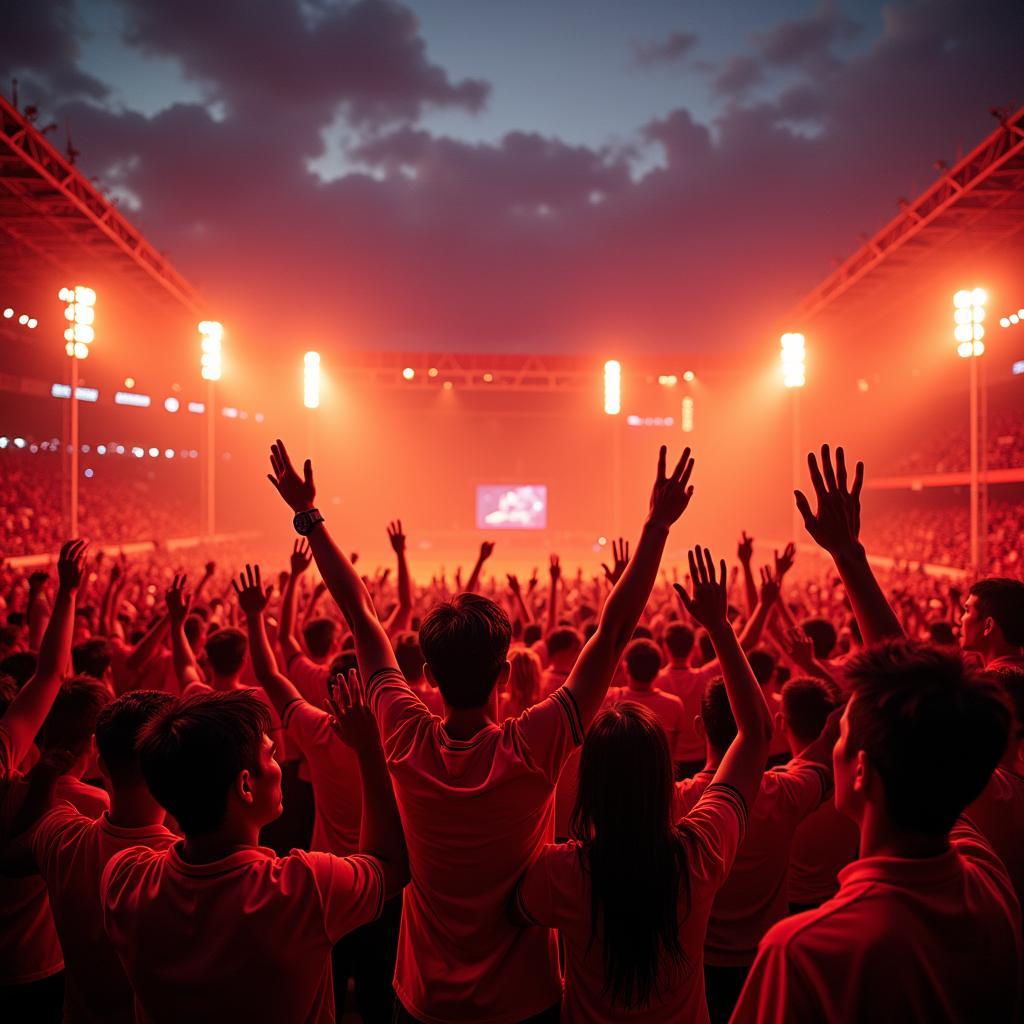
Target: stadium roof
{"x":975,"y":209}
{"x":51,"y":213}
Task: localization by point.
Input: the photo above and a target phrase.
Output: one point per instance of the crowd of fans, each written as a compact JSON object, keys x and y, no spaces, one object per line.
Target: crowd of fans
{"x":777,"y":788}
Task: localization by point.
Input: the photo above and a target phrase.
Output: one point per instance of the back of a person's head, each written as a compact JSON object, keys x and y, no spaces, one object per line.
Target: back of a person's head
{"x":716,"y":714}
{"x":532,"y":633}
{"x":225,"y":651}
{"x":940,"y":632}
{"x":20,"y":666}
{"x":91,"y":658}
{"x":319,"y":635}
{"x":762,"y":664}
{"x":643,"y":660}
{"x":563,"y":640}
{"x":634,"y":858}
{"x":195,"y":626}
{"x":465,"y":643}
{"x":9,"y":638}
{"x":931,"y":728}
{"x":524,"y":677}
{"x":409,"y":656}
{"x":806,"y":704}
{"x":118,"y":727}
{"x":193,"y":752}
{"x":823,"y":635}
{"x":1002,"y":600}
{"x":642,"y":633}
{"x":679,"y":640}
{"x":72,"y":718}
{"x":705,"y":647}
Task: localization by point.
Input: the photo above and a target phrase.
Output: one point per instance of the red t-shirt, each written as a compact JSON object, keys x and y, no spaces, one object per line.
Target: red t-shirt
{"x":309,"y":678}
{"x":824,"y":843}
{"x":475,"y":812}
{"x":71,"y":851}
{"x":247,"y":938}
{"x":334,"y":773}
{"x":688,"y":685}
{"x":932,"y":939}
{"x":754,"y":895}
{"x":556,"y":892}
{"x":998,"y":814}
{"x":667,"y":708}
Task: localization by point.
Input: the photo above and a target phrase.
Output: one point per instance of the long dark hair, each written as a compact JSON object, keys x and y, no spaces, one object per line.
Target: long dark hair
{"x":634,"y":856}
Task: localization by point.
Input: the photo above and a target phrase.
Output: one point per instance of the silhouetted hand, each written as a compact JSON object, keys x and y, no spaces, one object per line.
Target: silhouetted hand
{"x":301,"y":556}
{"x":252,"y":598}
{"x":396,"y":536}
{"x":486,"y":550}
{"x":555,"y":569}
{"x":709,"y":604}
{"x":620,"y":557}
{"x":799,"y":647}
{"x":513,"y":583}
{"x":178,"y":601}
{"x":784,"y":562}
{"x":671,"y":494}
{"x":298,"y":492}
{"x":209,"y":569}
{"x":352,"y":721}
{"x":38,"y":579}
{"x":769,"y":587}
{"x":745,"y":548}
{"x":531,"y":584}
{"x":71,"y":565}
{"x":836,"y":524}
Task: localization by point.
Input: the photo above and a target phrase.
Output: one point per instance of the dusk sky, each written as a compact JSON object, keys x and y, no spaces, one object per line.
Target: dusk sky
{"x":532,"y":176}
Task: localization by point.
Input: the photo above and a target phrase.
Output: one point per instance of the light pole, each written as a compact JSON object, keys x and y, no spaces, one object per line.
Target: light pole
{"x":212,"y":334}
{"x":80,"y":312}
{"x":969,"y":314}
{"x":793,"y":352}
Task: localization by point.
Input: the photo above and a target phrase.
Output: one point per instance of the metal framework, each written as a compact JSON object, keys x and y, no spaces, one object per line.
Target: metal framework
{"x":977,"y":204}
{"x":50,"y":212}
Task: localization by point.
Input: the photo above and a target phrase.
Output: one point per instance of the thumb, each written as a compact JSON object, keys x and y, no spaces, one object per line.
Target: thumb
{"x":683,"y":596}
{"x":307,"y":471}
{"x":804,"y":508}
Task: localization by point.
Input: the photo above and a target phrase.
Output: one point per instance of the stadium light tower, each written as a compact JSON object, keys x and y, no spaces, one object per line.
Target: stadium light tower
{"x":211,"y":333}
{"x":968,"y":317}
{"x":612,"y":387}
{"x":80,"y":314}
{"x":793,"y":353}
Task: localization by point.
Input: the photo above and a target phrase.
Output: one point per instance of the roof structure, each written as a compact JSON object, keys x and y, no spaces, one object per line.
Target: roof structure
{"x":51,"y":213}
{"x":974,"y":209}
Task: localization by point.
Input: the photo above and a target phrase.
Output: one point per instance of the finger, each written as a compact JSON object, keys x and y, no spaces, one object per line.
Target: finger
{"x":400,"y":526}
{"x":702,"y":573}
{"x":693,"y":566}
{"x":841,"y":468}
{"x":816,"y":481}
{"x":626,"y":559}
{"x":858,"y":480}
{"x":722,"y":579}
{"x":677,"y":473}
{"x":273,"y":480}
{"x":683,"y":596}
{"x":237,"y":591}
{"x":661,"y":463}
{"x":684,"y":479}
{"x":259,"y":581}
{"x":804,"y":509}
{"x":307,"y":472}
{"x":709,"y":562}
{"x":826,"y":465}
{"x":607,"y":571}
{"x":355,"y":688}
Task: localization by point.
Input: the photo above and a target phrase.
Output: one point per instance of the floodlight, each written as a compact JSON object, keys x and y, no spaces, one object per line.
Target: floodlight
{"x":612,"y":387}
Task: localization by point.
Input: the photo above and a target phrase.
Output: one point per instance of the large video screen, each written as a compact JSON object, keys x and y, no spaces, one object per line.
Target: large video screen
{"x":511,"y":507}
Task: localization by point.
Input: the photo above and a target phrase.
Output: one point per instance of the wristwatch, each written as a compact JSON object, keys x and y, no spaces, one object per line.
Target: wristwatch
{"x":304,"y":522}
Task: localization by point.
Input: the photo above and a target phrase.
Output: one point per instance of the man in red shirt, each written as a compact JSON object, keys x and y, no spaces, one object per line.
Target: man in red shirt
{"x":476,"y":796}
{"x":215,"y":927}
{"x":992,"y":625}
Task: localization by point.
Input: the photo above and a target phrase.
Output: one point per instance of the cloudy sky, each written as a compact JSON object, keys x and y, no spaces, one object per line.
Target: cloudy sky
{"x":531,"y":175}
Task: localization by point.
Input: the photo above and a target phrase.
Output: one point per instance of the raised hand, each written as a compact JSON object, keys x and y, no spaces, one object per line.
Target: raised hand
{"x":671,"y":494}
{"x":513,"y":583}
{"x":209,"y":569}
{"x":620,"y":557}
{"x":298,"y":492}
{"x":836,"y":524}
{"x":486,"y":550}
{"x":301,"y":556}
{"x":531,"y":584}
{"x":252,"y":598}
{"x":179,"y":602}
{"x":351,"y":719}
{"x":770,"y":587}
{"x":784,"y":562}
{"x":396,"y":537}
{"x":709,"y":604}
{"x":71,"y":565}
{"x":745,"y":548}
{"x":799,"y":648}
{"x":38,"y":579}
{"x":555,"y":569}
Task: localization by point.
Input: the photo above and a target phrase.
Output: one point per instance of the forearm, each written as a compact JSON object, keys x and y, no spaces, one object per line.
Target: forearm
{"x":404,"y":584}
{"x":552,"y":617}
{"x":474,"y":579}
{"x":286,"y":629}
{"x":37,"y":620}
{"x":749,"y":708}
{"x":148,"y":645}
{"x":749,"y":588}
{"x":873,"y":612}
{"x":186,"y":668}
{"x":380,"y":828}
{"x":755,"y":626}
{"x":629,"y":596}
{"x":280,"y":690}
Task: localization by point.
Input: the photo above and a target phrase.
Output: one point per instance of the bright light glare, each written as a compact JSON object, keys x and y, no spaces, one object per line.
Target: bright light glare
{"x":32,"y":323}
{"x":962,"y":299}
{"x":211,"y":331}
{"x":171,"y":404}
{"x":668,"y":380}
{"x":793,"y":360}
{"x":23,"y":319}
{"x":968,"y":314}
{"x":311,"y":380}
{"x":686,"y":414}
{"x":8,"y":313}
{"x":612,"y":387}
{"x":408,"y":373}
{"x":689,"y":376}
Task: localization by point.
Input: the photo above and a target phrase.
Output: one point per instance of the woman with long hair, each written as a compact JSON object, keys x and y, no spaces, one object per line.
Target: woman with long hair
{"x":632,"y":892}
{"x":523,"y":688}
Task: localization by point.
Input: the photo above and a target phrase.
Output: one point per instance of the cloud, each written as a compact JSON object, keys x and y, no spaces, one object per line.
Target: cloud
{"x":737,"y":76}
{"x":669,"y":50}
{"x":808,"y":41}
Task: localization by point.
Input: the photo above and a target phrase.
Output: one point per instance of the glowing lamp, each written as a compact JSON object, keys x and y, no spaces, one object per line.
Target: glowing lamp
{"x":311,"y":380}
{"x":612,"y":387}
{"x":408,"y":373}
{"x":211,"y":332}
{"x":793,"y":360}
{"x":968,"y":316}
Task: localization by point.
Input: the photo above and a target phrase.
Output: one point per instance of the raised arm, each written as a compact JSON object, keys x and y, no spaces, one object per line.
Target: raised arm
{"x":299,"y":563}
{"x":186,"y":668}
{"x":745,"y":553}
{"x":148,"y":645}
{"x":517,"y":596}
{"x":373,"y":648}
{"x":252,"y":599}
{"x":380,"y":829}
{"x":744,"y":761}
{"x":620,"y":559}
{"x":767,"y":598}
{"x":590,"y":676}
{"x":486,"y":550}
{"x":204,"y":581}
{"x":401,"y":617}
{"x":555,"y":572}
{"x":25,"y":716}
{"x":36,"y":608}
{"x":835,"y":527}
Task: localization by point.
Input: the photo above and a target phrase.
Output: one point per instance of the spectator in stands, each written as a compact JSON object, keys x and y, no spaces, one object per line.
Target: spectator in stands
{"x":992,"y":625}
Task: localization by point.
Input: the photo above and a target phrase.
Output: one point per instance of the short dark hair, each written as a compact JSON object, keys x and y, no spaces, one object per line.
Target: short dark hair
{"x":194,"y":626}
{"x":192,"y":753}
{"x":806,"y":704}
{"x":940,"y":632}
{"x":762,"y":664}
{"x":118,"y":727}
{"x":91,"y":658}
{"x":72,"y":718}
{"x":643,"y":660}
{"x":932,"y":728}
{"x":20,"y":666}
{"x":823,"y":635}
{"x":225,"y":651}
{"x":532,"y":633}
{"x":465,"y":642}
{"x":679,"y":639}
{"x":1002,"y":599}
{"x":341,"y":663}
{"x":564,"y":638}
{"x":642,"y":633}
{"x":319,"y":635}
{"x":409,"y":656}
{"x":716,"y":714}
